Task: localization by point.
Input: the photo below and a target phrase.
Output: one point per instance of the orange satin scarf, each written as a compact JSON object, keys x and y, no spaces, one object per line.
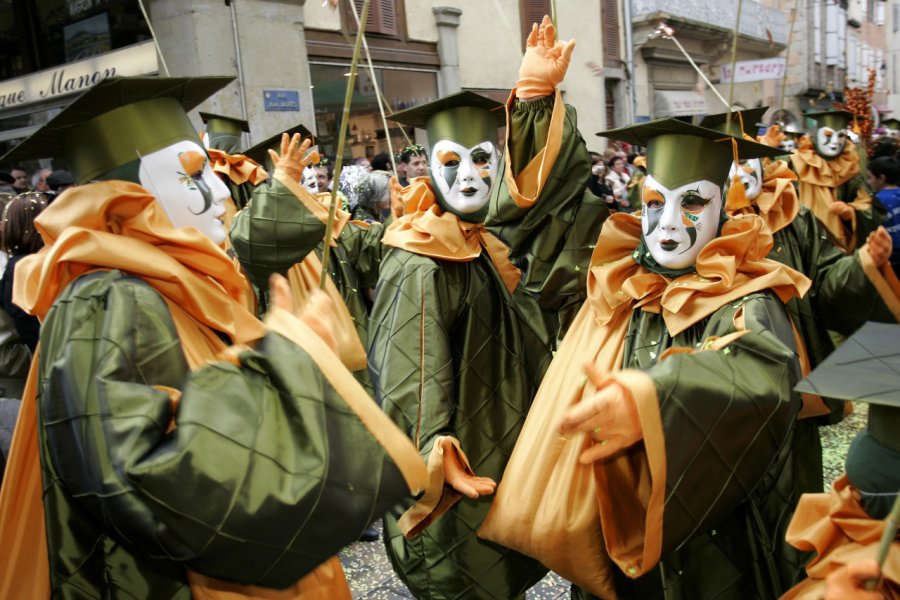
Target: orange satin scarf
{"x":236,"y":167}
{"x":427,"y":230}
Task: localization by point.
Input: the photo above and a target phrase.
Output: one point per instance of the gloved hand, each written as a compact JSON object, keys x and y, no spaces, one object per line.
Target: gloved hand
{"x":545,"y":62}
{"x":293,"y":158}
{"x":880,"y":246}
{"x":609,"y":416}
{"x":841,"y":209}
{"x":315,"y":313}
{"x":461,"y":478}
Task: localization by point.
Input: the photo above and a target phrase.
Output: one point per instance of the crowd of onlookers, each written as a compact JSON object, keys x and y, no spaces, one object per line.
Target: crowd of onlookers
{"x":615,"y":177}
{"x":45,"y":181}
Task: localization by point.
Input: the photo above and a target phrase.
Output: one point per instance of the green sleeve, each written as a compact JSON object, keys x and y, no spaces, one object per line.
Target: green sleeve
{"x":363,"y":248}
{"x":551,"y":241}
{"x":726,"y":415}
{"x":842,"y":297}
{"x":243,"y":489}
{"x":410,"y":359}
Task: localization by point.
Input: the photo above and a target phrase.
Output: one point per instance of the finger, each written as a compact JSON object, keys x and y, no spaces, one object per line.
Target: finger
{"x":280,"y":292}
{"x":295,"y":143}
{"x":463,"y":487}
{"x":584,"y":416}
{"x":541,"y":29}
{"x":567,"y":51}
{"x":863,"y":570}
{"x":274,"y":156}
{"x":599,"y":451}
{"x":549,"y":33}
{"x":531,"y":42}
{"x":593,"y":375}
{"x":285,"y":143}
{"x":312,"y":158}
{"x":486,"y":482}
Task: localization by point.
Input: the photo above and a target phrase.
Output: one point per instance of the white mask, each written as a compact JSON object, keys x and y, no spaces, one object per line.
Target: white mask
{"x":180,"y":178}
{"x":751,"y":173}
{"x":830,"y":142}
{"x":788,"y":145}
{"x":310,"y":181}
{"x":678,"y":223}
{"x":463,"y":176}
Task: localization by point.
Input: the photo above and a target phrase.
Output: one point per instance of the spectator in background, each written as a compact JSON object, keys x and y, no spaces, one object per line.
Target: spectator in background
{"x":617,"y":179}
{"x":20,"y":179}
{"x":39,"y":180}
{"x":884,"y":175}
{"x":362,"y":161}
{"x":324,"y":173}
{"x":381,"y":162}
{"x":58,"y":182}
{"x":414,"y":162}
{"x":6,"y":183}
{"x":597,"y":182}
{"x":373,"y":197}
{"x":20,"y":238}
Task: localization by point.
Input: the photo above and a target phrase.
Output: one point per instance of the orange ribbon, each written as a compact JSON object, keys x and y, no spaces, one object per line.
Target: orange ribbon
{"x":427,"y":230}
{"x":237,"y":168}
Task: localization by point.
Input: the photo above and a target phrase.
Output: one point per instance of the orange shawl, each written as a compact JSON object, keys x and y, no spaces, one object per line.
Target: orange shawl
{"x":818,"y":180}
{"x":119,"y":225}
{"x":427,"y":230}
{"x":238,"y":168}
{"x":839,"y":531}
{"x":576,"y":518}
{"x":777,"y":203}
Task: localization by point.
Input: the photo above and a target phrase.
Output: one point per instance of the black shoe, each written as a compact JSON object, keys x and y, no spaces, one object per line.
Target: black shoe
{"x":370,"y":534}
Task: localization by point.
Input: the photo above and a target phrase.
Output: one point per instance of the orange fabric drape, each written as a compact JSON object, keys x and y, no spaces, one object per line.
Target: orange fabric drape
{"x":550,"y":506}
{"x":238,"y":168}
{"x":428,"y":230}
{"x":119,"y":225}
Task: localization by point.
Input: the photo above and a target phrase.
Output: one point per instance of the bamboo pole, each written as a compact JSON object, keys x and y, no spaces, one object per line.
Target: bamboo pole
{"x":734,"y":43}
{"x":342,"y":138}
{"x":887,"y":539}
{"x":787,"y":54}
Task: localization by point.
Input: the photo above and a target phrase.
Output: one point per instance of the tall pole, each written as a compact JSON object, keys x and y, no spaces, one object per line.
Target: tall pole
{"x":342,"y":137}
{"x":787,"y":55}
{"x":629,"y":59}
{"x":734,"y":43}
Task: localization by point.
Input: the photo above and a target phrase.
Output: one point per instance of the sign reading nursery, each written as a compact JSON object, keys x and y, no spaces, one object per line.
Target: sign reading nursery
{"x":138,"y":59}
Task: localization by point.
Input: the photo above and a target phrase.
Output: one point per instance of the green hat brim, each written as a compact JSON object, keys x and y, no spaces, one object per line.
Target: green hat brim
{"x":750,"y":118}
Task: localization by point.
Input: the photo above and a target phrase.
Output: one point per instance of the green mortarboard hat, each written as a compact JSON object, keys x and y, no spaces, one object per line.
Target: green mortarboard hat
{"x":836,"y":119}
{"x":117,"y":121}
{"x":679,"y":153}
{"x":865,"y":368}
{"x":891,"y":123}
{"x":465,"y":117}
{"x":224,"y":132}
{"x":260,"y":151}
{"x":750,"y":117}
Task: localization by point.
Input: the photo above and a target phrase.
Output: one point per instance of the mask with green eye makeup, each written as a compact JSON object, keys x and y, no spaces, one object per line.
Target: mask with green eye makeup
{"x":463,"y":176}
{"x":678,"y":223}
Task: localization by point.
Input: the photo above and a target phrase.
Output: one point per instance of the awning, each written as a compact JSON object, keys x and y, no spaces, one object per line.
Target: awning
{"x":678,"y":103}
{"x":883,"y":109}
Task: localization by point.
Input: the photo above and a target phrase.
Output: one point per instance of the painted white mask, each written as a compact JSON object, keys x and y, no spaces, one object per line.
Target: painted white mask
{"x":180,"y":178}
{"x":463,"y":176}
{"x":310,"y":181}
{"x":751,"y":173}
{"x":678,"y":223}
{"x":830,"y":142}
{"x":788,"y":145}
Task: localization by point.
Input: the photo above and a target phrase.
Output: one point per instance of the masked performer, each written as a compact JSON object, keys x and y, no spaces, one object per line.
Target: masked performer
{"x":672,"y":474}
{"x":843,"y":295}
{"x":831,"y":183}
{"x":180,"y":446}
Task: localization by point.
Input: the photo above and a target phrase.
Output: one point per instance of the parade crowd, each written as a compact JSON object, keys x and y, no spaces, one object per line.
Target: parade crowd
{"x":221,"y":365}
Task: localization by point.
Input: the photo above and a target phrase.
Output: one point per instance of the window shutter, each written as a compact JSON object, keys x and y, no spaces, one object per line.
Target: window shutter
{"x":532,"y":11}
{"x":610,"y":17}
{"x":382,"y":17}
{"x":610,"y":106}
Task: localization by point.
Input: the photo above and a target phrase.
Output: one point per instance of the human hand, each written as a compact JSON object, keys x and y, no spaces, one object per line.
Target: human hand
{"x":315,"y":312}
{"x":880,"y":246}
{"x":545,"y":62}
{"x":609,"y":416}
{"x":848,"y":582}
{"x":459,"y":477}
{"x":841,"y":209}
{"x":294,"y":158}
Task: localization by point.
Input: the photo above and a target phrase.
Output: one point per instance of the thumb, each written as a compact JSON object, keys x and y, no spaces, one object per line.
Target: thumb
{"x":274,"y":156}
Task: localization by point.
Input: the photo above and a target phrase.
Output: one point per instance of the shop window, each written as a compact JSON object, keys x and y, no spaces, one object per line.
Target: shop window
{"x":384,"y":17}
{"x":532,"y":11}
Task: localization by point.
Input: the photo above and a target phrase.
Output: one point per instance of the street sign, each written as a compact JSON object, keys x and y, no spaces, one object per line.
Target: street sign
{"x":755,"y":70}
{"x":278,"y":100}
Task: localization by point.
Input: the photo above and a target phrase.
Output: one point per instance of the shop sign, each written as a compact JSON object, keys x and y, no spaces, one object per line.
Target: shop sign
{"x":138,"y":59}
{"x":281,"y":100}
{"x":755,"y":70}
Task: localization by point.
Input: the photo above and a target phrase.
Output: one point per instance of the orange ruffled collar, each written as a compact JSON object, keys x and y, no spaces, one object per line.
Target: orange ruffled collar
{"x":729,"y":267}
{"x":777,"y":203}
{"x":428,"y":230}
{"x":120,"y":225}
{"x":237,"y":168}
{"x":815,"y":169}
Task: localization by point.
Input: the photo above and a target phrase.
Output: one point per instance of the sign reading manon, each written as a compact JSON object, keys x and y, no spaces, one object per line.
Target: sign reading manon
{"x":138,"y":59}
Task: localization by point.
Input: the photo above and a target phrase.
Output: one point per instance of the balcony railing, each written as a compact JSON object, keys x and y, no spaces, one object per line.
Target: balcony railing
{"x":755,"y":17}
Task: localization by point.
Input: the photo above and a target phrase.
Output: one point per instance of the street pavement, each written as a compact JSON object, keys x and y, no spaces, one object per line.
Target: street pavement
{"x":371,"y":578}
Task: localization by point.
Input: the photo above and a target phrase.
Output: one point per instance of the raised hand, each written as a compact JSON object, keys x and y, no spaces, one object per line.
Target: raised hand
{"x":459,"y":477}
{"x":294,"y":158}
{"x":545,"y":62}
{"x":848,"y":582}
{"x":880,"y":246}
{"x":609,"y":416}
{"x":841,"y":209}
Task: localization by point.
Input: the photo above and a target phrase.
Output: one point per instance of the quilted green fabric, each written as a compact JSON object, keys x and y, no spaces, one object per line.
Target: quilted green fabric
{"x":867,"y":220}
{"x":244,"y":489}
{"x":451,"y":352}
{"x":728,"y":418}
